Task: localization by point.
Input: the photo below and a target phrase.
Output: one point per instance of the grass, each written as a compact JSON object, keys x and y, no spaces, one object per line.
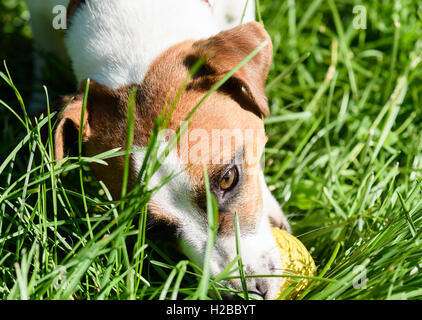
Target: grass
{"x":344,"y":160}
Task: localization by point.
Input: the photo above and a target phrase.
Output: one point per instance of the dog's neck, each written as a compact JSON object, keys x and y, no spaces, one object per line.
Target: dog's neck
{"x":121,"y":38}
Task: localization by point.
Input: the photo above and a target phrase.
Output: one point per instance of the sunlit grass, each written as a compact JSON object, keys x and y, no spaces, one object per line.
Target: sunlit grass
{"x":344,"y":159}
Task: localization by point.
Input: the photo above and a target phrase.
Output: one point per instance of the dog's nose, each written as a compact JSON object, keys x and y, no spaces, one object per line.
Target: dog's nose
{"x":256,"y":293}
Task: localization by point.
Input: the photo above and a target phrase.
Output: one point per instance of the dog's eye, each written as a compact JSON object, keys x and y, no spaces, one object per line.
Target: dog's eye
{"x":230,"y":179}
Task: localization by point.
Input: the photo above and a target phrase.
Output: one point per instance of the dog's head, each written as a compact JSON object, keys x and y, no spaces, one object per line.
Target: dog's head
{"x":226,"y":134}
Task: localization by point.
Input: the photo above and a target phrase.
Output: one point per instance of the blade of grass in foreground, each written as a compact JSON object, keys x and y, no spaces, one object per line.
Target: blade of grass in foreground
{"x":212,"y":214}
{"x":240,"y":263}
{"x":130,"y":122}
{"x":80,"y":138}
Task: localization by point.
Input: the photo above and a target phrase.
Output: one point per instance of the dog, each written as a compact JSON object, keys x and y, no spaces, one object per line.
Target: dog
{"x":151,"y":45}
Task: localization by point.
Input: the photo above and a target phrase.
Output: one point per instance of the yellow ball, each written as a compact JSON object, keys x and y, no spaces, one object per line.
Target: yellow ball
{"x":295,"y":260}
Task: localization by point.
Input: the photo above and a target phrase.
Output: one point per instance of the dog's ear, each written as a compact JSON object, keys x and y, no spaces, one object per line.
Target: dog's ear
{"x":69,"y":110}
{"x":227,"y":49}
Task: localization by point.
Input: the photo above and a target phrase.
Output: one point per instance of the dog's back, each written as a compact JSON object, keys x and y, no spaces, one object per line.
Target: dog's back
{"x":150,"y":25}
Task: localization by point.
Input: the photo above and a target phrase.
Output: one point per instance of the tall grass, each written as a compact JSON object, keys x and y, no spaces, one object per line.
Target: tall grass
{"x":344,"y":159}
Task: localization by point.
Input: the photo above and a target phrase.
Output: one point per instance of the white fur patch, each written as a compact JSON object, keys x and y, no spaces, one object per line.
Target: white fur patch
{"x":114,"y":41}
